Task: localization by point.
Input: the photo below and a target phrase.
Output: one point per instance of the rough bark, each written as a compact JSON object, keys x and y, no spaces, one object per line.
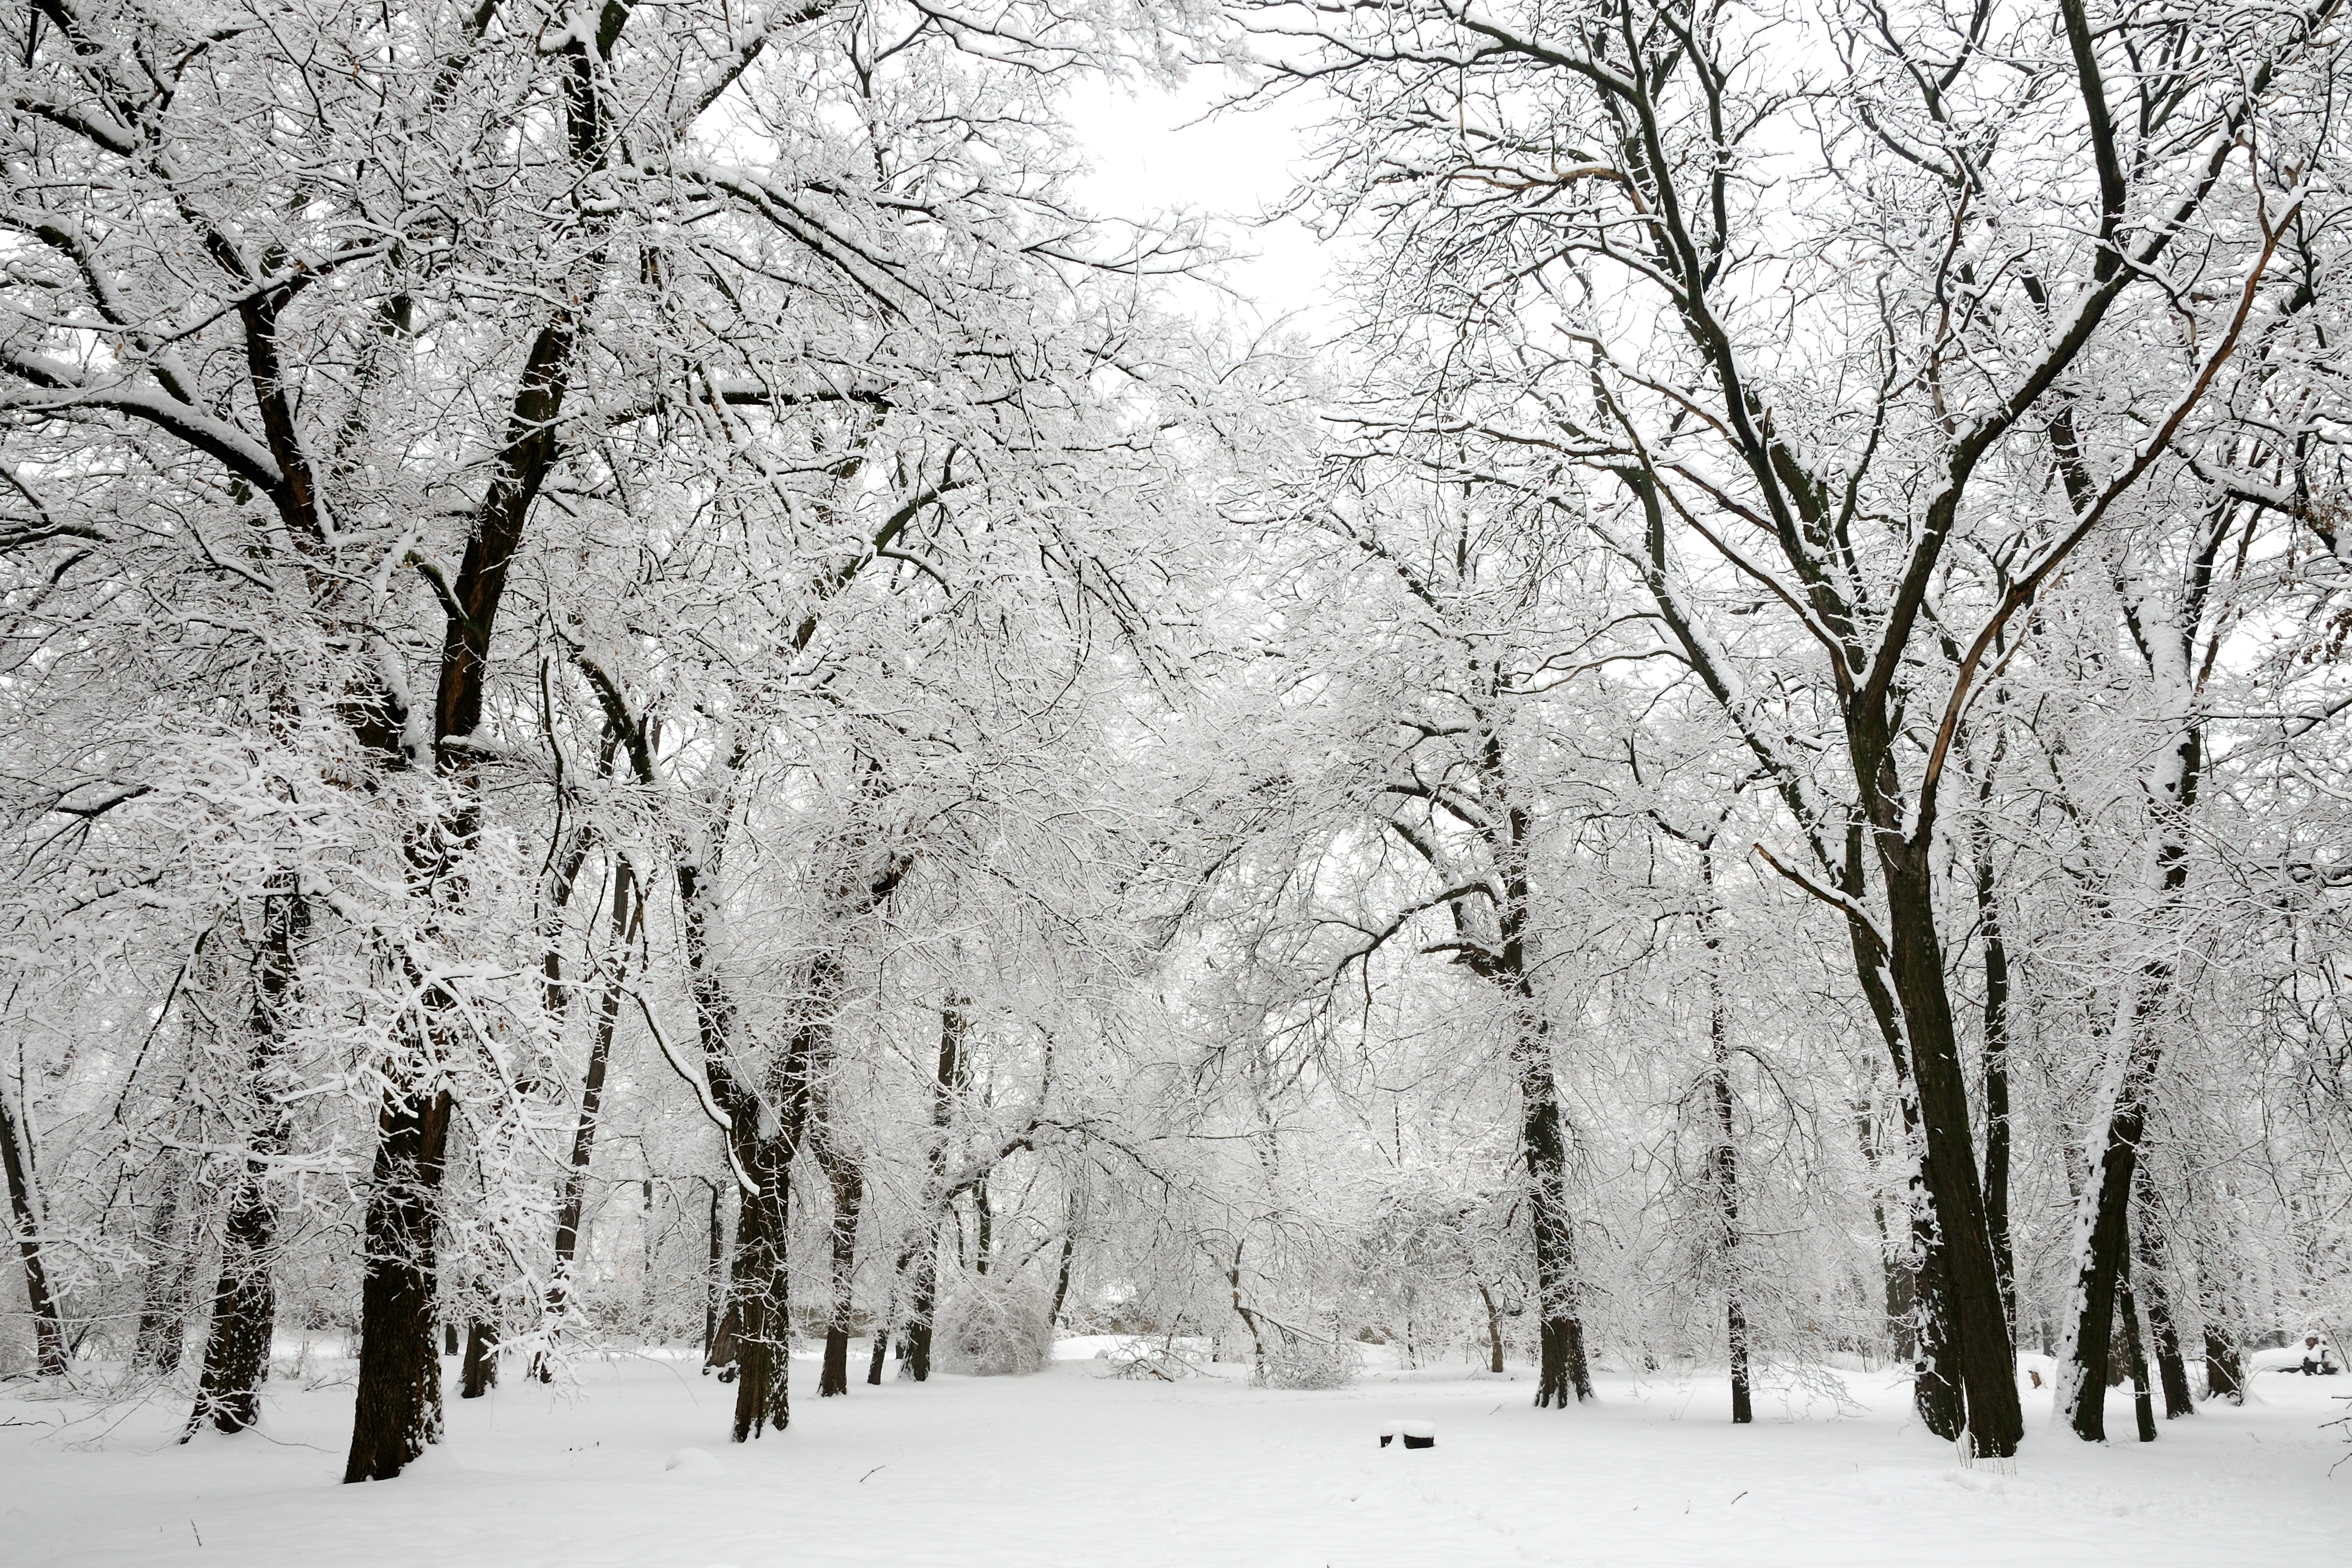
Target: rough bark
{"x":2143,"y":1405}
{"x":398,"y":1410}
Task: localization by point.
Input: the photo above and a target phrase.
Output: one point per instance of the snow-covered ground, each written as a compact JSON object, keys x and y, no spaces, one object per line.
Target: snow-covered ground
{"x":1074,"y":1468}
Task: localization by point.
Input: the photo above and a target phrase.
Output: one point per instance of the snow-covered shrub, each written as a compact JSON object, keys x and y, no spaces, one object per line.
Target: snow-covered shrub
{"x":1310,"y":1364}
{"x":993,"y":1327}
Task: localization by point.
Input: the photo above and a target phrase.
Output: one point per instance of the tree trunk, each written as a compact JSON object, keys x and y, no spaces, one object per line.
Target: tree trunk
{"x":1973,"y":1324}
{"x":921,"y":1303}
{"x":245,"y":1302}
{"x":1996,"y":1082}
{"x":1560,"y":1366}
{"x":398,"y":1410}
{"x":2103,"y":1252}
{"x":715,"y":1287}
{"x":163,"y":1297}
{"x":48,"y":1328}
{"x":2225,"y":1374}
{"x":762,"y":1304}
{"x":621,"y":930}
{"x":2153,"y":1269}
{"x":479,"y":1372}
{"x":848,"y":1197}
{"x":1061,"y":1274}
{"x":1494,"y":1330}
{"x":2143,"y":1407}
{"x":1724,"y":1163}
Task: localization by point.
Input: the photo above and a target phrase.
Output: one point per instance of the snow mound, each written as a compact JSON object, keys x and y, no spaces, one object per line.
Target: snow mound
{"x":692,"y":1462}
{"x":993,"y":1328}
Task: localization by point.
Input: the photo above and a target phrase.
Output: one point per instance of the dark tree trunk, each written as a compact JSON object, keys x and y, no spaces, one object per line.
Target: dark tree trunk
{"x":881,"y":1351}
{"x":164,"y":1299}
{"x":48,"y":1328}
{"x":398,"y":1410}
{"x":479,"y":1372}
{"x":245,"y":1302}
{"x":2225,"y":1374}
{"x":848,"y":1197}
{"x":715,"y":1287}
{"x":2143,"y":1405}
{"x":2153,"y":1270}
{"x":2083,"y":1383}
{"x":762,"y":1304}
{"x":1061,"y":1274}
{"x":2107,"y":1258}
{"x":573,"y":1201}
{"x":1974,"y":1328}
{"x":922,"y":1303}
{"x":1996,"y":1081}
{"x":449,"y":1342}
{"x":983,"y":1226}
{"x":1561,"y":1370}
{"x":1724,"y":1161}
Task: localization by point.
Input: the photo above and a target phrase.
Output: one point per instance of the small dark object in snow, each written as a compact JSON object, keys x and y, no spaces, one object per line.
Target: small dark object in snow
{"x":1419,"y":1435}
{"x":1413,"y":1442}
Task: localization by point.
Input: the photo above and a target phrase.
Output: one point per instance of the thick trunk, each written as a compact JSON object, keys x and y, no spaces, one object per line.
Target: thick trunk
{"x":245,"y":1309}
{"x":2225,"y":1373}
{"x":1974,"y":1327}
{"x":762,"y":1304}
{"x":1561,"y":1368}
{"x":398,"y":1410}
{"x":479,"y":1372}
{"x":922,"y":1301}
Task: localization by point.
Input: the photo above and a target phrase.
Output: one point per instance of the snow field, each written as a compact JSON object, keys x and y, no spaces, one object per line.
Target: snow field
{"x":1076,"y":1470}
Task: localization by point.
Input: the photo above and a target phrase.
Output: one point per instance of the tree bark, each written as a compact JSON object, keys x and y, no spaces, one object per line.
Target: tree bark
{"x":848,"y":1184}
{"x":622,"y":930}
{"x":48,"y":1328}
{"x":2143,"y":1405}
{"x":245,"y":1302}
{"x":1724,"y":1160}
{"x":2153,"y":1269}
{"x":479,"y":1372}
{"x":163,"y":1297}
{"x":1973,"y":1323}
{"x":398,"y":1410}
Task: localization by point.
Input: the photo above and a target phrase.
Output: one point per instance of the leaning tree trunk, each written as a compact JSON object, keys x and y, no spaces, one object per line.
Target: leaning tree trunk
{"x":245,"y":1302}
{"x":1918,"y":1297}
{"x":624,"y":925}
{"x":1996,"y":1080}
{"x":2153,"y":1270}
{"x":1973,"y":1321}
{"x":2102,"y":1247}
{"x":2143,"y":1407}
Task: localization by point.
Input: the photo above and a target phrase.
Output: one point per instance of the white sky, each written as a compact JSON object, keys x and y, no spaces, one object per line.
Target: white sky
{"x":1151,"y":152}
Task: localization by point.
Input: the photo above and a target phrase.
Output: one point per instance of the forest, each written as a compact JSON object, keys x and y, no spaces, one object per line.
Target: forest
{"x":657,"y":697}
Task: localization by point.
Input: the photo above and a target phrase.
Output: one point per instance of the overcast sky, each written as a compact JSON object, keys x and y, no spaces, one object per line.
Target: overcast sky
{"x":1150,"y":151}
